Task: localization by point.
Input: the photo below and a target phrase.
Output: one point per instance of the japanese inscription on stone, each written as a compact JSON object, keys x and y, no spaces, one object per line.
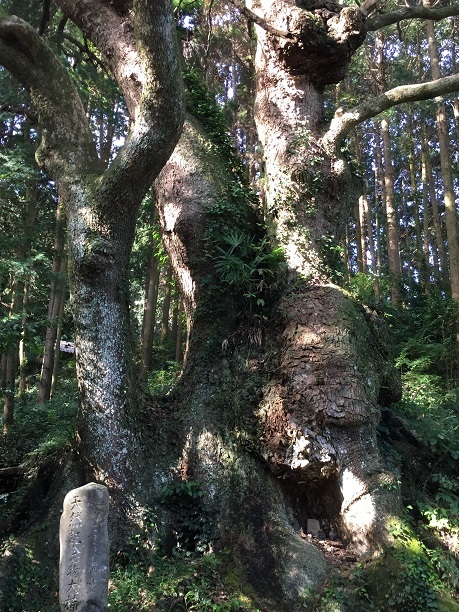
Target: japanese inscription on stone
{"x":83,"y":568}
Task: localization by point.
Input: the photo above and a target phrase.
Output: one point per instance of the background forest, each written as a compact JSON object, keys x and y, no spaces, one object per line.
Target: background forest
{"x":398,"y":258}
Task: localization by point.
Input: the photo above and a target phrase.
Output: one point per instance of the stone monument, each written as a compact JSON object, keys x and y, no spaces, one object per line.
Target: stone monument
{"x":83,"y":567}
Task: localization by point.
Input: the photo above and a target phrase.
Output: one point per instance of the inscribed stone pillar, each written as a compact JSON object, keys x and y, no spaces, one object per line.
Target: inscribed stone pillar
{"x":83,"y":568}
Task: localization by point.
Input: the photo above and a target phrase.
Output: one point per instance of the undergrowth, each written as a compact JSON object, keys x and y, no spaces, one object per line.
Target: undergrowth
{"x":39,"y":435}
{"x":40,"y":429}
{"x":177,"y":583}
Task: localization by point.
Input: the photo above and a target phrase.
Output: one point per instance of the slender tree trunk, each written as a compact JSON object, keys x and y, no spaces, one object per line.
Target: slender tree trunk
{"x":429,"y":181}
{"x":426,"y":271}
{"x":179,"y":337}
{"x":363,"y":241}
{"x":406,"y":261}
{"x":414,"y":193}
{"x":150,"y":303}
{"x":8,"y":402}
{"x":175,"y":309}
{"x":3,"y":372}
{"x":371,"y":246}
{"x":56,"y":296}
{"x":447,"y":176}
{"x":393,"y":235}
{"x":166,"y":305}
{"x":455,"y":104}
{"x":57,"y":348}
{"x":29,"y":228}
{"x":379,"y":198}
{"x":11,"y":362}
{"x":360,"y":217}
{"x":359,"y":237}
{"x":22,"y":386}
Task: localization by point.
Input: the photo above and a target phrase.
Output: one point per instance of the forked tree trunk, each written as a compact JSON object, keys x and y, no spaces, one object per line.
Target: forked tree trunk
{"x":102,"y":204}
{"x":311,"y":417}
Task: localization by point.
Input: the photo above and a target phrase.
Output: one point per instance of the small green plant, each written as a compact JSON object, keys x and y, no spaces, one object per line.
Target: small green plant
{"x":406,"y":577}
{"x":333,"y":257}
{"x":30,"y":572}
{"x":362,"y":288}
{"x":192,"y":522}
{"x":40,"y":429}
{"x":160,"y":382}
{"x":340,"y":593}
{"x":252,"y":267}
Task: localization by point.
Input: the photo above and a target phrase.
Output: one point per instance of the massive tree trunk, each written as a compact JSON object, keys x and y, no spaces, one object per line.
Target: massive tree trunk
{"x":213,"y":436}
{"x":101,"y":205}
{"x":321,"y":408}
{"x":306,"y":403}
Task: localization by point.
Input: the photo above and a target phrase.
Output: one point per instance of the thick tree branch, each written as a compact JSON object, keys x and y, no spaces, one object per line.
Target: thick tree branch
{"x":344,"y":121}
{"x":113,"y":36}
{"x":66,"y":146}
{"x":417,"y":12}
{"x":240,"y":4}
{"x":140,"y":51}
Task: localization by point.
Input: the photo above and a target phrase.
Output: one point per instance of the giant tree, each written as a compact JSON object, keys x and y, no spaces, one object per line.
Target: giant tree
{"x":277,"y":415}
{"x":321,"y":405}
{"x":315,"y":424}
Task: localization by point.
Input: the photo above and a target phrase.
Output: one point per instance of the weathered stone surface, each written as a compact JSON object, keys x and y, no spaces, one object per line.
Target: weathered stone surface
{"x":83,"y":568}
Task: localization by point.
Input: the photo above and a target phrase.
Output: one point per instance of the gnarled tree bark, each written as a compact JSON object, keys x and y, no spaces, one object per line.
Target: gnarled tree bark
{"x":321,"y":404}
